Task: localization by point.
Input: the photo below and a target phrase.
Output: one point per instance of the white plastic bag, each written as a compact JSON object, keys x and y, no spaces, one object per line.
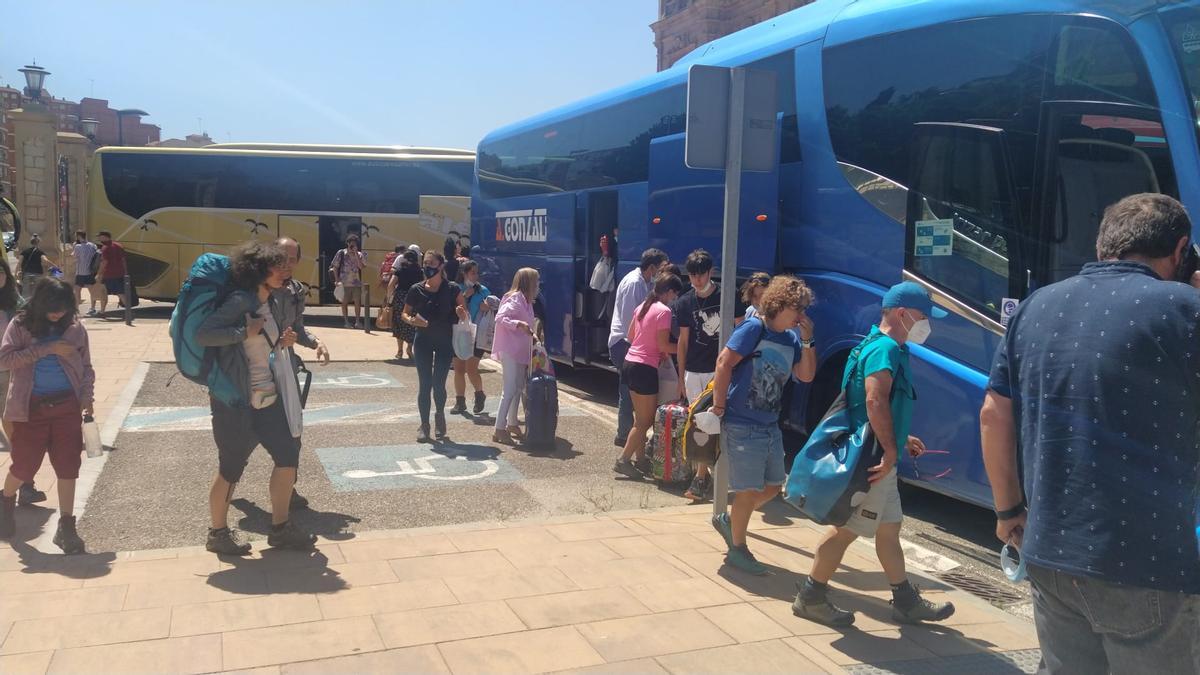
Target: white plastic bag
{"x":603,"y":278}
{"x":464,"y":339}
{"x":668,"y":382}
{"x":485,"y":330}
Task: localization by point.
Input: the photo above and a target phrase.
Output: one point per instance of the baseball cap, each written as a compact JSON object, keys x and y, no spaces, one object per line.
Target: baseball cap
{"x":911,"y":295}
{"x":414,"y":247}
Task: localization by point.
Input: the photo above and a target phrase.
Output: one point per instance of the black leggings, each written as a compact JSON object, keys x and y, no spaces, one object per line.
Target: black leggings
{"x":433,"y":356}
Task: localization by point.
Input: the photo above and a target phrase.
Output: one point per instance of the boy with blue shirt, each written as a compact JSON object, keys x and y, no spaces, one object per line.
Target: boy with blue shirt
{"x":752,"y":370}
{"x":879,"y":389}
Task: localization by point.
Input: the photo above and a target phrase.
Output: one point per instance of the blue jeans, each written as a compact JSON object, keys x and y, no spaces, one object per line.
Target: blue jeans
{"x":1087,"y":625}
{"x":433,"y":357}
{"x":617,"y":354}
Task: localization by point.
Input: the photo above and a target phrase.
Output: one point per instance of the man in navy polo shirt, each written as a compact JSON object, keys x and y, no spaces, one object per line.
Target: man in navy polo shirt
{"x":1097,"y":382}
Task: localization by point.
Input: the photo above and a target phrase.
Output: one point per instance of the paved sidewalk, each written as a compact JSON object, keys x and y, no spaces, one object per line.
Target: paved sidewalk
{"x":628,"y":592}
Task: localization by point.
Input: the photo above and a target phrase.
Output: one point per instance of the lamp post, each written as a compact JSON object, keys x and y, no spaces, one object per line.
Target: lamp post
{"x":121,"y":114}
{"x":35,"y":77}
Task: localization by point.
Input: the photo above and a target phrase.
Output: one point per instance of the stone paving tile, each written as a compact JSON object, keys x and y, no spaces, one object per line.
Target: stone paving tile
{"x":199,"y":654}
{"x":383,"y":598}
{"x":512,"y":537}
{"x":560,"y":554}
{"x":622,"y":572}
{"x":562,"y":609}
{"x":634,"y":667}
{"x":265,"y":670}
{"x":533,"y":651}
{"x":857,"y":646}
{"x":668,"y":596}
{"x":231,"y":615}
{"x":61,"y":603}
{"x":772,"y":656}
{"x":31,"y":663}
{"x":439,"y":624}
{"x":517,"y":584}
{"x":188,"y":591}
{"x":362,"y":550}
{"x":83,"y":631}
{"x":653,"y":635}
{"x":331,"y":578}
{"x":38,"y":580}
{"x":781,"y":613}
{"x":823,"y":663}
{"x":744,"y":622}
{"x":632,"y":547}
{"x":688,"y":542}
{"x":599,"y":529}
{"x":128,"y":572}
{"x":955,"y":641}
{"x":299,"y":642}
{"x":422,"y":659}
{"x":449,"y":565}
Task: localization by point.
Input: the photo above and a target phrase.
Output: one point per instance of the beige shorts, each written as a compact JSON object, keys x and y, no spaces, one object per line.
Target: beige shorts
{"x":882,"y":505}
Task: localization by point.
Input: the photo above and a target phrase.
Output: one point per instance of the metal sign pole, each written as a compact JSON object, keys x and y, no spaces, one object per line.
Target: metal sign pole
{"x":729,"y":248}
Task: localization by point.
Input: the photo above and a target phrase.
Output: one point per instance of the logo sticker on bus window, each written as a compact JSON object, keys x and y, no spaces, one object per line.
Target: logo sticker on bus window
{"x":1190,"y":40}
{"x":1008,"y":307}
{"x":522,"y":225}
{"x":934,"y":237}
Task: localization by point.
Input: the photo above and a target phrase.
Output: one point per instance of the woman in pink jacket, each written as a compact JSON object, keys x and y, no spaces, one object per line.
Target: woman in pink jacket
{"x":512,"y":346}
{"x":51,"y":388}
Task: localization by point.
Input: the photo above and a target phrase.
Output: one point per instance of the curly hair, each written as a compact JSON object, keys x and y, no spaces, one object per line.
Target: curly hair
{"x":756,"y":281}
{"x":252,"y":263}
{"x":785,"y":292}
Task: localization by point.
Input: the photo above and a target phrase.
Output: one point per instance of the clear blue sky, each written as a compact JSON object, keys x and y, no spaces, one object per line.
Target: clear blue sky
{"x":431,"y":72}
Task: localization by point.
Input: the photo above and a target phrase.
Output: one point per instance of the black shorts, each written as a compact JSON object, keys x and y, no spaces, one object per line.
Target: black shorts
{"x":641,"y":378}
{"x":115,"y":286}
{"x":238,"y":431}
{"x":85,"y":280}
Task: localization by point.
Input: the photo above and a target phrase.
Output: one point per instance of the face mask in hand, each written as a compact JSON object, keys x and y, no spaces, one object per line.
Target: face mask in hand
{"x":919,"y":332}
{"x":431,"y":272}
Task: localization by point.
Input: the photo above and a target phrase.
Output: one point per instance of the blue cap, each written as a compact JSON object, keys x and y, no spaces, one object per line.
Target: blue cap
{"x":911,"y":295}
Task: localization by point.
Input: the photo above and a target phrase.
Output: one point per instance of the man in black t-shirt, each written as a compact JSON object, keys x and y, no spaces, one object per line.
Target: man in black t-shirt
{"x":31,"y":266}
{"x":699,"y":315}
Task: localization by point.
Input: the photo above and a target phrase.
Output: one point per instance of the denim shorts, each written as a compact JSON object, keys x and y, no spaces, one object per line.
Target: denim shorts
{"x":755,"y":455}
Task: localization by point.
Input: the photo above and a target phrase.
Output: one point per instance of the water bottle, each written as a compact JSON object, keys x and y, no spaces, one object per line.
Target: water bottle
{"x":91,"y":437}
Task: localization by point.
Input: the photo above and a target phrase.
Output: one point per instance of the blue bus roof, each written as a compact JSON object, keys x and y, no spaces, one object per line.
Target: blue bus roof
{"x":844,"y":21}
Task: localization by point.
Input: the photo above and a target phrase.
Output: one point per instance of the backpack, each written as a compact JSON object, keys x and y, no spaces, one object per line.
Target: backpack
{"x":207,"y":286}
{"x":385,"y":267}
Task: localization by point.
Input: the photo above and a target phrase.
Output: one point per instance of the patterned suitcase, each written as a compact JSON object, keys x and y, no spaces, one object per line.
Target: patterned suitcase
{"x":666,"y":448}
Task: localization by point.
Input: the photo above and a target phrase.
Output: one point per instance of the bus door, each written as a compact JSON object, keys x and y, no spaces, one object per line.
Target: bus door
{"x":331,"y":238}
{"x":539,"y":232}
{"x":1091,"y":156}
{"x":687,"y":208}
{"x":594,"y":306}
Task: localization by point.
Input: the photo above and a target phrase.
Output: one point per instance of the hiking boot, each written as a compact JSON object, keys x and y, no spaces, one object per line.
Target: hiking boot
{"x":66,"y":537}
{"x":290,"y":536}
{"x":439,"y":425}
{"x":909,"y":607}
{"x":297,"y":501}
{"x":643,"y":465}
{"x":460,"y":405}
{"x":29,"y":494}
{"x":480,"y":398}
{"x":8,"y":516}
{"x":626,"y":468}
{"x":224,"y":541}
{"x":423,"y":434}
{"x":720,"y":523}
{"x":741,"y":558}
{"x":821,"y":610}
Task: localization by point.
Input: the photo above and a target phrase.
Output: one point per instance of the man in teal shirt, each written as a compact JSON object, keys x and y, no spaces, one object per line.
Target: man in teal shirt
{"x":879,"y":389}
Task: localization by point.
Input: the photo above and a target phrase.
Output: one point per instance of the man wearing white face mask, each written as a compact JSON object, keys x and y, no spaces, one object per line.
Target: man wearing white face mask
{"x":879,"y":389}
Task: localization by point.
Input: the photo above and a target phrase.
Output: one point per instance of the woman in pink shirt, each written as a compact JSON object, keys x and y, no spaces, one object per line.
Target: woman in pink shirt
{"x":511,"y":346}
{"x":649,"y":343}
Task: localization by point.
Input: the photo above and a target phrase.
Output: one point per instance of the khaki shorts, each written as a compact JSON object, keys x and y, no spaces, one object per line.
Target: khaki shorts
{"x":882,"y":505}
{"x":351,"y":294}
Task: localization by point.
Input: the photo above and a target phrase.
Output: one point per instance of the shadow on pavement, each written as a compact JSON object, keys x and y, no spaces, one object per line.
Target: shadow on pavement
{"x":32,"y":521}
{"x":334,"y":526}
{"x":278,"y":572}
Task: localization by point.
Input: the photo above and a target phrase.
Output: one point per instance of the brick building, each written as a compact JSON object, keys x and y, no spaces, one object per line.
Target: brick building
{"x":684,"y":25}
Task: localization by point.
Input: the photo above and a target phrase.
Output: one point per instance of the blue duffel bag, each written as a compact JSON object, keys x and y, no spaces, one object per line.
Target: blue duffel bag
{"x":829,"y":477}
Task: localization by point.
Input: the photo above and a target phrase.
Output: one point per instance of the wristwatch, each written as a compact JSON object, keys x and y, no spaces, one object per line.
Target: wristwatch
{"x":808,"y":344}
{"x":1009,"y":514}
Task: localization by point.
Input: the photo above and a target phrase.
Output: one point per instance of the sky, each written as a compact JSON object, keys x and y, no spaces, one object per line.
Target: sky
{"x":400,"y":72}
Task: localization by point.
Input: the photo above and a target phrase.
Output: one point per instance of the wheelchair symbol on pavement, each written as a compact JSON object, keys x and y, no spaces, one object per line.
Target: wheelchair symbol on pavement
{"x":355,"y":381}
{"x":424,"y":469}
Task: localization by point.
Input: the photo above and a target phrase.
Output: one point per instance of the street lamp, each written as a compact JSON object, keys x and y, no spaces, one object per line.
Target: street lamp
{"x":35,"y":77}
{"x":121,"y":123}
{"x":89,"y":127}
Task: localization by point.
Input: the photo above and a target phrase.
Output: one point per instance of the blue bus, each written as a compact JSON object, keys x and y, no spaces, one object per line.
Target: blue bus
{"x":970,"y":147}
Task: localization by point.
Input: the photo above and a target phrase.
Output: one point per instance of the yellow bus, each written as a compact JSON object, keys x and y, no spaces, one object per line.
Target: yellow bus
{"x":166,"y":206}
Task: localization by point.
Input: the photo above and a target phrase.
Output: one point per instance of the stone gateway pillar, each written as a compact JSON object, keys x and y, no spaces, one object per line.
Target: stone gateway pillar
{"x":36,"y":137}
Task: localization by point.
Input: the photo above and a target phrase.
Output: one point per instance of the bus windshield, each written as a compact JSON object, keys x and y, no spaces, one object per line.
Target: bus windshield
{"x":1183,"y":25}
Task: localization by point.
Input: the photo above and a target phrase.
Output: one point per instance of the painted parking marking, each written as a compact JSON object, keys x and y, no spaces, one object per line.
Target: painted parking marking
{"x":418,"y":465}
{"x":199,"y":418}
{"x":355,"y":381}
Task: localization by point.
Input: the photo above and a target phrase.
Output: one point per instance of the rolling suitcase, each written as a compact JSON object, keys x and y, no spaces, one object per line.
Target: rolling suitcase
{"x":541,"y":407}
{"x":666,"y":448}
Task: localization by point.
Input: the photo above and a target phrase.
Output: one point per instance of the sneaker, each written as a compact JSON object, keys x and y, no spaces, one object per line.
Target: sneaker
{"x":645,"y":466}
{"x":700,"y":489}
{"x":822,"y":611}
{"x":66,"y":537}
{"x":423,"y":434}
{"x":741,"y":558}
{"x":502,"y":436}
{"x":921,"y":610}
{"x":92,"y":312}
{"x":226,"y":542}
{"x":8,"y":516}
{"x":29,"y":494}
{"x":297,"y":501}
{"x":626,"y":468}
{"x":460,"y":405}
{"x":290,"y":536}
{"x":439,"y":425}
{"x":480,"y":399}
{"x":357,"y":324}
{"x":720,"y":523}
{"x":345,"y":323}
{"x":619,"y":442}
